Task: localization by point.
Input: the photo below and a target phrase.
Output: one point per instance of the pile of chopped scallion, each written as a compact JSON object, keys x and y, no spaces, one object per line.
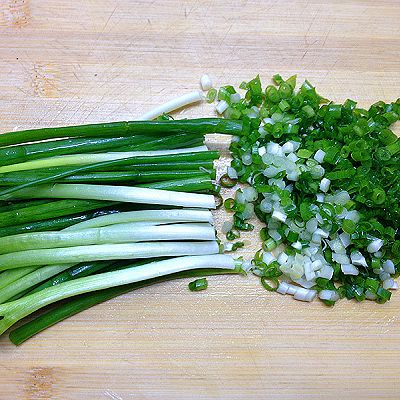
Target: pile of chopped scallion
{"x":325,"y":180}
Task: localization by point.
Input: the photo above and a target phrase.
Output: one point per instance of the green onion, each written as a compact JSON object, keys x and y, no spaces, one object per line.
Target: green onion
{"x":160,"y":216}
{"x":12,"y":275}
{"x":18,"y":309}
{"x":125,"y":157}
{"x":85,"y":301}
{"x":119,"y":193}
{"x":29,"y":280}
{"x":117,"y":233}
{"x":104,"y":252}
{"x":200,"y":126}
{"x":61,"y":222}
{"x":198,"y":285}
{"x":53,"y":209}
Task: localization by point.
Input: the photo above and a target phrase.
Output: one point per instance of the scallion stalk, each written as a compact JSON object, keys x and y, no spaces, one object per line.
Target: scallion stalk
{"x":118,"y":233}
{"x":18,"y":309}
{"x":87,"y":300}
{"x":142,"y":195}
{"x":199,"y":126}
{"x":105,"y":252}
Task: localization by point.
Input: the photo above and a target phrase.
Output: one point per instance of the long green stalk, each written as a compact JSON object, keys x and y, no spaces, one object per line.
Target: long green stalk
{"x":25,"y":152}
{"x":167,"y":166}
{"x":59,"y":222}
{"x":105,"y":252}
{"x":118,"y":233}
{"x":31,"y":280}
{"x":24,"y":177}
{"x":161,"y":216}
{"x":49,"y":210}
{"x":18,"y":309}
{"x":148,"y":165}
{"x":79,"y":271}
{"x":87,"y":300}
{"x":128,"y":194}
{"x":12,"y":275}
{"x":203,"y":184}
{"x":15,"y":205}
{"x":196,"y":126}
{"x":114,"y":160}
{"x":90,"y":158}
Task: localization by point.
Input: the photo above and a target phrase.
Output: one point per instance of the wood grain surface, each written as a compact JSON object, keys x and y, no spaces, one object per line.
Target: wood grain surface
{"x":73,"y":62}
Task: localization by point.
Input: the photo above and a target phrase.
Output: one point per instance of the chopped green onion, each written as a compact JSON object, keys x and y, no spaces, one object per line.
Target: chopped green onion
{"x":198,"y":285}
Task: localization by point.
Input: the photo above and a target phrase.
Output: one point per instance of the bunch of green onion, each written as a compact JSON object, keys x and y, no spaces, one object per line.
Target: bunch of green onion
{"x":93,"y":211}
{"x":324,"y":178}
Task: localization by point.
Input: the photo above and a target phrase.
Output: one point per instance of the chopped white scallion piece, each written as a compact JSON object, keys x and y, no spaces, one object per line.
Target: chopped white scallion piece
{"x":232,"y":173}
{"x":246,"y":266}
{"x":303,"y":294}
{"x":173,"y":105}
{"x":370,"y":295}
{"x":324,"y":185}
{"x":337,"y":246}
{"x":345,"y":239}
{"x":326,"y":272}
{"x":265,"y":206}
{"x":292,"y":289}
{"x":228,"y":246}
{"x":247,"y":159}
{"x":328,"y":295}
{"x":321,"y":232}
{"x":306,"y":284}
{"x":288,"y":147}
{"x":274,"y":234}
{"x":226,"y":226}
{"x":296,"y":145}
{"x":282,"y":258}
{"x":279,"y":215}
{"x":268,"y":258}
{"x":239,"y":197}
{"x":390,"y":284}
{"x":316,"y":265}
{"x":353,"y":216}
{"x":375,"y":245}
{"x":342,"y":197}
{"x":292,"y":157}
{"x":340,"y":258}
{"x":269,"y":121}
{"x":205,"y":82}
{"x":221,"y":107}
{"x":283,"y":288}
{"x":235,"y":98}
{"x":319,"y":156}
{"x":383,"y":276}
{"x":358,"y":259}
{"x":349,"y":269}
{"x":261,"y":151}
{"x":250,"y":194}
{"x":388,"y":266}
{"x":297,"y":245}
{"x":275,"y":149}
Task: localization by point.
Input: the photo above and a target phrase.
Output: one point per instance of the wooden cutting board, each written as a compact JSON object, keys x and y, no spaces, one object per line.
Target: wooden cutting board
{"x":73,"y":62}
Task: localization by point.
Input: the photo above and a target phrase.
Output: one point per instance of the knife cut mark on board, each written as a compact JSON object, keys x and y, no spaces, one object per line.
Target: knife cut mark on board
{"x":40,"y":384}
{"x":15,"y":13}
{"x":44,"y":80}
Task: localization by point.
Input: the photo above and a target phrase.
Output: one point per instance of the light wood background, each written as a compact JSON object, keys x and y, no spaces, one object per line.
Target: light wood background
{"x":73,"y":62}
